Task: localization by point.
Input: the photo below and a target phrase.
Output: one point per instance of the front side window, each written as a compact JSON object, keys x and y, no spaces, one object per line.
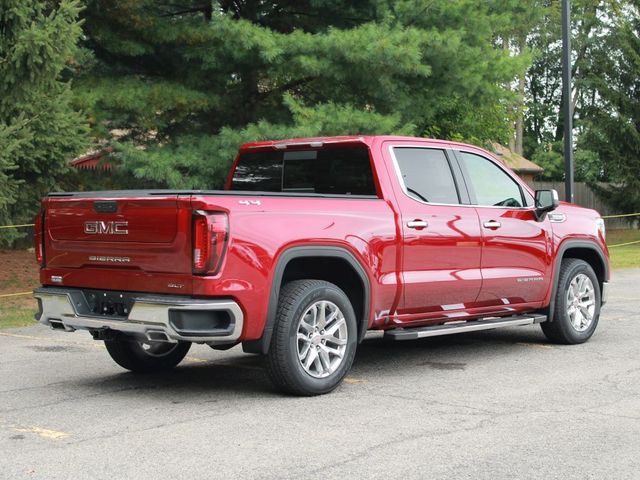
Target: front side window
{"x":426,"y":174}
{"x":492,"y":186}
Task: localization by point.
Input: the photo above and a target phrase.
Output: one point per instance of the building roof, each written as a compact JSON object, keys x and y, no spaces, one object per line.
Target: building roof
{"x":94,"y":160}
{"x":514,"y":161}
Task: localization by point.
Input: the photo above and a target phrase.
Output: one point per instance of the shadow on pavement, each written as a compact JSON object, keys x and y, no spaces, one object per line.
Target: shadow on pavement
{"x":238,"y":374}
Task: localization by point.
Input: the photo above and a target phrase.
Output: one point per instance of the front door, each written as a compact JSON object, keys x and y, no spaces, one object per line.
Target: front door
{"x":516,"y":252}
{"x":441,"y":237}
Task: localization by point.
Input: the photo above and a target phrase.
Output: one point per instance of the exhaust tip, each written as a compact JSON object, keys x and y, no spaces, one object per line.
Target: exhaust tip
{"x":58,"y":325}
{"x":157,"y":336}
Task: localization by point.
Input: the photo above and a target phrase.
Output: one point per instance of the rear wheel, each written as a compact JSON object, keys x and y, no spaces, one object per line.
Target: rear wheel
{"x":314,"y":338}
{"x":146,"y":357}
{"x":577,"y":304}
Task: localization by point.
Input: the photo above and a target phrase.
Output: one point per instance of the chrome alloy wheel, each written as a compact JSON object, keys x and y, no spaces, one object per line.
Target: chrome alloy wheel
{"x":322,"y":339}
{"x":581,"y":302}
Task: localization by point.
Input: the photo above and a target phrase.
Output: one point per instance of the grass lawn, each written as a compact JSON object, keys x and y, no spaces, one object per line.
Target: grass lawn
{"x":627,"y":256}
{"x":18,"y":273}
{"x":17,"y":312}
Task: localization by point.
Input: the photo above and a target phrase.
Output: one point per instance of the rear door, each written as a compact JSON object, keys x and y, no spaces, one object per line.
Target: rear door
{"x":441,"y":237}
{"x":516,"y":252}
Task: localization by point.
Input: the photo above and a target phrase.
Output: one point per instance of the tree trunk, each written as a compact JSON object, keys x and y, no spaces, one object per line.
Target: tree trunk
{"x":520,"y":116}
{"x":560,"y":123}
{"x":512,"y":142}
{"x":519,"y":106}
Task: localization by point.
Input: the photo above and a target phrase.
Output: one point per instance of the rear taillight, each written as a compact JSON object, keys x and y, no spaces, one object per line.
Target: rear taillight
{"x":38,"y":238}
{"x":210,"y":233}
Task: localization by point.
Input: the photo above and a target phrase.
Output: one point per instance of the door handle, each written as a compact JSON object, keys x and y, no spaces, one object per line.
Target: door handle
{"x":492,"y":224}
{"x":417,"y":224}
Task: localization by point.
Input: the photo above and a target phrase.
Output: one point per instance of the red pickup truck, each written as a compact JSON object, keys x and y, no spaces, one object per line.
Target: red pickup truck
{"x":312,"y":243}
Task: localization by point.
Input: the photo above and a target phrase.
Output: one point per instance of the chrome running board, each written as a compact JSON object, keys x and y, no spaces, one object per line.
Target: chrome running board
{"x":461,"y":327}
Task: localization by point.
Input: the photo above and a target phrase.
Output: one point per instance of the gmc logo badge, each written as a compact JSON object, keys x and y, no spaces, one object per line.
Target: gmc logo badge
{"x":106,"y":228}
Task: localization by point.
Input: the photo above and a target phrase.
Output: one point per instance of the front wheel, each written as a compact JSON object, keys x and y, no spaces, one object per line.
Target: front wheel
{"x":146,"y":357}
{"x":577,"y":304}
{"x":314,"y":338}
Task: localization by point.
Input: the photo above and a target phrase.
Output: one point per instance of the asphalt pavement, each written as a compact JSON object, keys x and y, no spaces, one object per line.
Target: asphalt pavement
{"x":501,"y":404}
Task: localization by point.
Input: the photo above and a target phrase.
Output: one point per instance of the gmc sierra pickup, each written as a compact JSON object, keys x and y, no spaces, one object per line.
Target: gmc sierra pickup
{"x":312,"y":243}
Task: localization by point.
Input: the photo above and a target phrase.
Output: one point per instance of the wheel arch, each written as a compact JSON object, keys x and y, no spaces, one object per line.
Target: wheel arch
{"x":585,"y":250}
{"x":297,"y":263}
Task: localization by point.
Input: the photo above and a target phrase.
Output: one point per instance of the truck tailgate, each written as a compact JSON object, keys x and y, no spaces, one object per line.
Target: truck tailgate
{"x":149,"y":233}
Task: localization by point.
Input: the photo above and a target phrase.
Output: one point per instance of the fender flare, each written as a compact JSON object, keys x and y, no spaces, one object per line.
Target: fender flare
{"x":564,"y":246}
{"x":261,"y":346}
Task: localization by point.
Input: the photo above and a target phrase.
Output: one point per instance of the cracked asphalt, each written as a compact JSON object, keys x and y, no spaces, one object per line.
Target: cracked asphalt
{"x":486,"y":405}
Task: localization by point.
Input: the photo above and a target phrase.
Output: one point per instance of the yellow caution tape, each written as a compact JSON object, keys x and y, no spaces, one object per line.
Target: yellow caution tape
{"x":604,"y":216}
{"x":15,"y":294}
{"x":18,"y":226}
{"x":623,"y":244}
{"x":622,"y":215}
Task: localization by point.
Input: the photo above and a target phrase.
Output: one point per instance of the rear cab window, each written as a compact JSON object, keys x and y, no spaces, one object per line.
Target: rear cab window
{"x":328,"y":171}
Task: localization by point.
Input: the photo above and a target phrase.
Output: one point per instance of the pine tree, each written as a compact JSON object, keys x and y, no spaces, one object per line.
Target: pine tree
{"x":39,"y":131}
{"x":187,"y":81}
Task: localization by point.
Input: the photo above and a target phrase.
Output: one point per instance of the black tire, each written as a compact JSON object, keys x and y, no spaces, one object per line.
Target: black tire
{"x":283,"y":363}
{"x":156,"y":357}
{"x":561,"y":330}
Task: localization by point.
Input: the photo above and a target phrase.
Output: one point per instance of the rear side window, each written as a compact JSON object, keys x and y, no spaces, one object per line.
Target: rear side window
{"x":491,"y":184}
{"x":338,"y":171}
{"x":427,"y":175}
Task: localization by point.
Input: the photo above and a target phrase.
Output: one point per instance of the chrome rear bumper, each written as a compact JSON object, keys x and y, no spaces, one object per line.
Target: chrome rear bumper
{"x":154,"y":317}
